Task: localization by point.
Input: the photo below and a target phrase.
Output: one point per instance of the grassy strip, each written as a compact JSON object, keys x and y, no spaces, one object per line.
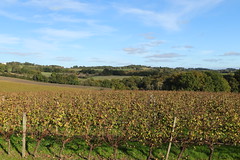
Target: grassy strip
{"x":77,"y":149}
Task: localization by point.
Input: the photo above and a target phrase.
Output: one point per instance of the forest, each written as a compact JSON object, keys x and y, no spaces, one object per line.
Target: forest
{"x":132,"y":77}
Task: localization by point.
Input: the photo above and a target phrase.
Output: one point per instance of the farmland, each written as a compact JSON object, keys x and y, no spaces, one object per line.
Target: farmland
{"x":8,"y":84}
{"x":74,"y":123}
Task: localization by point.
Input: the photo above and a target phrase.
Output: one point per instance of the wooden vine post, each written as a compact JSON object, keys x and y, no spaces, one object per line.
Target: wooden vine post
{"x":170,"y":143}
{"x":24,"y":135}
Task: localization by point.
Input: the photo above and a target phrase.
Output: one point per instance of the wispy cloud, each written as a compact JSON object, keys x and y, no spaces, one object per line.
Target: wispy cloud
{"x":92,"y":29}
{"x":56,"y":17}
{"x":149,"y":36}
{"x":65,"y":59}
{"x":231,"y":54}
{"x":42,"y":46}
{"x":132,"y":50}
{"x":6,"y":39}
{"x":27,"y":46}
{"x":153,"y":43}
{"x":165,"y":20}
{"x":177,"y":13}
{"x":143,"y":48}
{"x":107,"y":61}
{"x":7,"y":3}
{"x":159,"y":60}
{"x":183,"y":47}
{"x":97,"y":60}
{"x":212,"y":60}
{"x":64,"y":34}
{"x":58,"y":5}
{"x":165,"y":55}
{"x":12,"y":16}
{"x":23,"y":54}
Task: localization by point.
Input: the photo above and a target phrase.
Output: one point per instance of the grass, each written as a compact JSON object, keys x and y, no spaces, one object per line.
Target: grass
{"x":105,"y":77}
{"x":47,"y":74}
{"x":24,"y":86}
{"x":109,"y":77}
{"x":77,"y":149}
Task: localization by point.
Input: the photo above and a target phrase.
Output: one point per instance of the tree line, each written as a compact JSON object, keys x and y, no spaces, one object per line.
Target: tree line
{"x":189,"y":81}
{"x":141,"y":77}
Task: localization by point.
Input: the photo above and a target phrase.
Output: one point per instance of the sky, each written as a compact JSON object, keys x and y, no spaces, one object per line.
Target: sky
{"x":157,"y":33}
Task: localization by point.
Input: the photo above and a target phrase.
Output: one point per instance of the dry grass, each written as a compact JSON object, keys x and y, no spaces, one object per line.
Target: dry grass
{"x":8,"y":84}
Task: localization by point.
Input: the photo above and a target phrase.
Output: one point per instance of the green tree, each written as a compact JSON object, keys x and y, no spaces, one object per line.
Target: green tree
{"x":53,"y":78}
{"x":39,"y":77}
{"x":2,"y":67}
{"x":197,"y":81}
{"x":117,"y":84}
{"x":232,"y":82}
{"x":146,"y":83}
{"x":219,"y":83}
{"x":237,"y":77}
{"x":132,"y":82}
{"x":190,"y":81}
{"x":72,"y":79}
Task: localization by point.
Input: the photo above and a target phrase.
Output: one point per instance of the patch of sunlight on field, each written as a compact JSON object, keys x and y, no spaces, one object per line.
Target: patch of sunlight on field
{"x":47,"y":74}
{"x":109,"y":77}
{"x":6,"y":86}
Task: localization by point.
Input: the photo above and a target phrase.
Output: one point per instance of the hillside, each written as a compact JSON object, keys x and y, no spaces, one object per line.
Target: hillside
{"x":8,"y":84}
{"x":133,"y":77}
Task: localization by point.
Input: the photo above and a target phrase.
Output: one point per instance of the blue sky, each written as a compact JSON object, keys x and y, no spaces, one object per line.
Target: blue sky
{"x":167,"y":33}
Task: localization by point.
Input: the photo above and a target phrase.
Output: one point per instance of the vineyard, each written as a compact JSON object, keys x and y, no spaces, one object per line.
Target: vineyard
{"x":116,"y":118}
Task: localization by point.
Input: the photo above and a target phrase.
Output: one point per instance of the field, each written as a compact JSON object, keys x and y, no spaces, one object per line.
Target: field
{"x":47,"y":74}
{"x":8,"y":84}
{"x":82,"y":123}
{"x":109,"y":77}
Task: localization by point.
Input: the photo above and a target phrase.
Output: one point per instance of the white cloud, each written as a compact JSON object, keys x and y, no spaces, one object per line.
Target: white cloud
{"x":164,"y":55}
{"x":177,"y":13}
{"x":12,"y":16}
{"x":65,"y":59}
{"x":143,"y":48}
{"x":232,"y":54}
{"x":23,"y":54}
{"x":131,"y":50}
{"x":25,"y":46}
{"x":153,"y":43}
{"x":64,"y":34}
{"x":57,"y":5}
{"x":36,"y":45}
{"x":8,"y":1}
{"x":66,"y":18}
{"x":165,"y":20}
{"x":98,"y":29}
{"x":212,"y":60}
{"x":109,"y":61}
{"x":193,"y":5}
{"x":149,"y":36}
{"x":159,"y":60}
{"x":6,"y":39}
{"x":185,"y":47}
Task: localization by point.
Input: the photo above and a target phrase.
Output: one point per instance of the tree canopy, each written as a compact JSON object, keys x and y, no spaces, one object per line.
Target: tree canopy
{"x":197,"y":81}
